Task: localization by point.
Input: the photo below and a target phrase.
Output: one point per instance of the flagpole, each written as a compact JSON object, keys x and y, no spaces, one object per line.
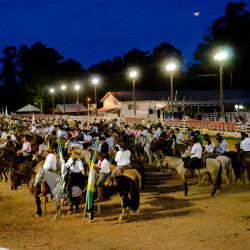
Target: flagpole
{"x":84,"y":213}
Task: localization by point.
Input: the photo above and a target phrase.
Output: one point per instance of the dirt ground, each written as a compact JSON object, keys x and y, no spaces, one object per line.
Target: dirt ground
{"x":168,"y":219}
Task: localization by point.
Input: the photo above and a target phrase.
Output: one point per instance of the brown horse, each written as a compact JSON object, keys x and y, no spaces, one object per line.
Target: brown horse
{"x":245,"y":163}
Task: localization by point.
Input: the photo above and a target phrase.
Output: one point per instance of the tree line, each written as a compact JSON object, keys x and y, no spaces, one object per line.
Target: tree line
{"x":28,"y":73}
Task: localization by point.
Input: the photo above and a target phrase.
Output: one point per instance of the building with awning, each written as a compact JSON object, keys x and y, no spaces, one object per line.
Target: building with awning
{"x":69,"y":108}
{"x":153,"y":105}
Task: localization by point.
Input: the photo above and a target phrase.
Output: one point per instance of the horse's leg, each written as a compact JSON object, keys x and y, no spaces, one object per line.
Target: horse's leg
{"x":77,"y":203}
{"x":71,"y":206}
{"x":122,"y":214}
{"x":129,"y":218}
{"x":217,"y":181}
{"x":185,"y":184}
{"x":6,"y":178}
{"x":38,"y":206}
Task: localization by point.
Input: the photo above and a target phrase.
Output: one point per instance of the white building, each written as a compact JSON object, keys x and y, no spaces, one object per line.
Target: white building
{"x":152,"y":105}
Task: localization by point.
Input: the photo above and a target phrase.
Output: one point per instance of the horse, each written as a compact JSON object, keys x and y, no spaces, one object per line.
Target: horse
{"x":129,"y":186}
{"x":28,"y":177}
{"x":227,"y":169}
{"x":54,"y":182}
{"x":245,"y":163}
{"x":213,"y":168}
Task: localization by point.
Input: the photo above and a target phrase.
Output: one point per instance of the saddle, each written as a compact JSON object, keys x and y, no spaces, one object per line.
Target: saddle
{"x":199,"y":165}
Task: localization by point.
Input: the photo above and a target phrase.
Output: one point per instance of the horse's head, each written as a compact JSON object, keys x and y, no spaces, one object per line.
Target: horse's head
{"x":15,"y":181}
{"x":237,"y":146}
{"x":39,"y":177}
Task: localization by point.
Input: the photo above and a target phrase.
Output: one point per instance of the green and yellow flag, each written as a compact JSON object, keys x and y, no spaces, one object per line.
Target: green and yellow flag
{"x":91,"y":180}
{"x":183,"y":104}
{"x":175,"y":98}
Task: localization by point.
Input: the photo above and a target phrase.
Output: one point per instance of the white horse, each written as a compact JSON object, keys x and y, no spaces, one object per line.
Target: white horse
{"x":147,"y":147}
{"x":213,"y":167}
{"x":227,"y":169}
{"x":54,"y":182}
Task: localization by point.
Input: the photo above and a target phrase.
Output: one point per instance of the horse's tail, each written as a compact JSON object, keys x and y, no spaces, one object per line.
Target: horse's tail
{"x":218,"y":179}
{"x":135,"y":196}
{"x":231,"y":172}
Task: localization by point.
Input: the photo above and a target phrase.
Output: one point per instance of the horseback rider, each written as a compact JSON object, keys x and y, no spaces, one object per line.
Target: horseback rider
{"x":209,"y":148}
{"x":195,"y":155}
{"x":26,"y":149}
{"x":222,"y":145}
{"x":103,"y":170}
{"x":244,"y":146}
{"x":8,"y":140}
{"x":197,"y":134}
{"x":49,"y":164}
{"x":189,"y":137}
{"x":163,"y":134}
{"x":75,"y":165}
{"x":179,"y":136}
{"x":122,"y":159}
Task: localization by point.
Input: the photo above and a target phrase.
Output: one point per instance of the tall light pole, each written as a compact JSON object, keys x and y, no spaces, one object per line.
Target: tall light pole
{"x":52,"y":94}
{"x":77,"y":87}
{"x":95,"y":81}
{"x":63,"y":89}
{"x":133,"y":75}
{"x":221,"y":58}
{"x":171,"y":68}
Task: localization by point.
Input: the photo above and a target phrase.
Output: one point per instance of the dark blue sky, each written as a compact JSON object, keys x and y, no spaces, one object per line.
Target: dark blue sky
{"x":93,"y":30}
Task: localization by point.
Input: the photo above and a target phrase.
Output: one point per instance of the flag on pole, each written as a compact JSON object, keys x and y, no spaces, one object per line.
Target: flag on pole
{"x":183,"y":104}
{"x":91,"y":180}
{"x":63,"y":168}
{"x":168,"y":106}
{"x":175,"y":98}
{"x":33,"y":119}
{"x":6,"y":111}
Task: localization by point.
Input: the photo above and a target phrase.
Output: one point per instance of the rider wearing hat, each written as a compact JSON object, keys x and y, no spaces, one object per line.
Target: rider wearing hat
{"x":49,"y":164}
{"x":209,"y":148}
{"x":75,"y":165}
{"x":222,"y":145}
{"x":195,"y":154}
{"x":103,"y":168}
{"x":197,"y":134}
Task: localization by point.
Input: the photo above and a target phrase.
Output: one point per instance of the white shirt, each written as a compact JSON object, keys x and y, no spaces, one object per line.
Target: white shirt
{"x":4,"y":135}
{"x":137,"y":132}
{"x":123,"y":157}
{"x":156,"y":134}
{"x":33,"y":129}
{"x":245,"y":144}
{"x":104,"y":165}
{"x":210,"y":148}
{"x":145,"y":132}
{"x":74,"y":166}
{"x":50,"y":162}
{"x":88,"y":138}
{"x":51,"y":129}
{"x":179,"y":137}
{"x":110,"y":141}
{"x":61,"y":134}
{"x":196,"y":150}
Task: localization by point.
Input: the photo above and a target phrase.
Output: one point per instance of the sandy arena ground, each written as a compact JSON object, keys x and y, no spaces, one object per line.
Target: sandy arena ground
{"x":168,"y":220}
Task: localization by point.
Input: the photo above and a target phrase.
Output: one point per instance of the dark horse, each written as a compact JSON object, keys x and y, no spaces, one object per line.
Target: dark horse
{"x":129,"y":194}
{"x":71,"y":179}
{"x":28,"y":177}
{"x":245,"y":163}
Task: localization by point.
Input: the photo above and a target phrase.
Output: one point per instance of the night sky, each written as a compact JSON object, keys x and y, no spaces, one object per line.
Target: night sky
{"x":90,"y":31}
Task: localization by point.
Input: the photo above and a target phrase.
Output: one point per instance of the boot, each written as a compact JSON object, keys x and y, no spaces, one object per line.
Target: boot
{"x":99,"y":190}
{"x":43,"y":190}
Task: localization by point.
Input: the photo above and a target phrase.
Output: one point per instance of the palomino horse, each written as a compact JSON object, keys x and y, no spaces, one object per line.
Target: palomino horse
{"x":213,"y":167}
{"x":54,"y":182}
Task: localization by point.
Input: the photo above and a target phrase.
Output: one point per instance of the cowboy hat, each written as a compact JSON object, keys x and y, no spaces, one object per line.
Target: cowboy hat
{"x":99,"y":154}
{"x":75,"y":155}
{"x":48,"y":149}
{"x":12,"y":132}
{"x":189,"y":129}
